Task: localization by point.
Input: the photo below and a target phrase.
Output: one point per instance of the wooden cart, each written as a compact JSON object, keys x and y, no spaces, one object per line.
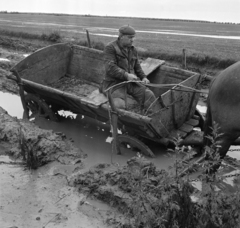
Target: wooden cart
{"x":67,"y":77}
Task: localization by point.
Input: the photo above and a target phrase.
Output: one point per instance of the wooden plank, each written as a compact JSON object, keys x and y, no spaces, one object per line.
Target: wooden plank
{"x":186,"y":128}
{"x":163,"y":122}
{"x":167,"y":75}
{"x":150,"y":64}
{"x":178,"y":71}
{"x":194,"y":138}
{"x":195,"y":97}
{"x":160,"y":124}
{"x":89,"y":102}
{"x":46,"y":73}
{"x":55,"y":50}
{"x":192,"y":122}
{"x":182,"y":103}
{"x":87,"y":64}
{"x":196,"y":117}
{"x":46,"y":65}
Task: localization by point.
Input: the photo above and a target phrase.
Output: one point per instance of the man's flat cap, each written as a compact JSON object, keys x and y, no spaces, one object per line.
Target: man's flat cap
{"x":127,"y":30}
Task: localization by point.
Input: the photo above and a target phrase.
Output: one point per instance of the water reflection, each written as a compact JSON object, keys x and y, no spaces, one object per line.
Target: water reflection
{"x":12,"y":104}
{"x":94,"y":138}
{"x":105,"y":32}
{"x":202,"y":108}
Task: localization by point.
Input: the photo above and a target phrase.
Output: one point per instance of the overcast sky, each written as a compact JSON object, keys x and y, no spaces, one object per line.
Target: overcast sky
{"x":210,"y":10}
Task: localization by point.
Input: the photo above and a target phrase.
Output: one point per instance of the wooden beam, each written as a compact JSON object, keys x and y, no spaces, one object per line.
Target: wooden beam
{"x":88,"y":39}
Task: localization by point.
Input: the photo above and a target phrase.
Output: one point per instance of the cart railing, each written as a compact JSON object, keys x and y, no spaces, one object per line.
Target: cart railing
{"x":114,"y":113}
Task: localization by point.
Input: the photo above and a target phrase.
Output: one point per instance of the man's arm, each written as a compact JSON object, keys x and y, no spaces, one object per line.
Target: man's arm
{"x":111,"y":66}
{"x":138,"y":69}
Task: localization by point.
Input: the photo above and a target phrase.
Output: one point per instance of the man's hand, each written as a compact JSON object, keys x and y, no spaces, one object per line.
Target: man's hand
{"x":131,"y":77}
{"x":145,"y":81}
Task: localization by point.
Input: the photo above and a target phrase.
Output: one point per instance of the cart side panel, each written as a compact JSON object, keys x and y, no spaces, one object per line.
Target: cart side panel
{"x":180,"y":107}
{"x":87,"y":64}
{"x":45,"y":65}
{"x":167,"y":75}
{"x":66,"y":101}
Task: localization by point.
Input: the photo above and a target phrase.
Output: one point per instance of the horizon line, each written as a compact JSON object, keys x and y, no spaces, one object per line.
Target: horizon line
{"x":93,"y":15}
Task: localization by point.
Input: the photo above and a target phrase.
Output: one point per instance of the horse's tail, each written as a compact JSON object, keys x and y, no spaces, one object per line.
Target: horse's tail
{"x":207,"y":129}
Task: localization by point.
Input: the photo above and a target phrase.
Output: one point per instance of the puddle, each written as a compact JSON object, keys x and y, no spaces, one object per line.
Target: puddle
{"x":202,"y":108}
{"x":30,"y":201}
{"x":192,"y":34}
{"x":93,"y":30}
{"x":4,"y":60}
{"x":12,"y":104}
{"x":177,"y":33}
{"x":93,"y":136}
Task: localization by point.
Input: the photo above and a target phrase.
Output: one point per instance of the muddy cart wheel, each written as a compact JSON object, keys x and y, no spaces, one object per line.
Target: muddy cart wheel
{"x":38,"y":108}
{"x":135,"y":144}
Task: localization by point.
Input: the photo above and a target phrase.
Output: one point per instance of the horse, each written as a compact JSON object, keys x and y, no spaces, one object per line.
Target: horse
{"x":223,"y":109}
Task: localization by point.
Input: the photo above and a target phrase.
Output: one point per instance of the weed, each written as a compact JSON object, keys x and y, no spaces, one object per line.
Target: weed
{"x":29,"y":150}
{"x":163,"y":199}
{"x":18,"y":34}
{"x":95,"y":45}
{"x":168,"y":203}
{"x":54,"y":37}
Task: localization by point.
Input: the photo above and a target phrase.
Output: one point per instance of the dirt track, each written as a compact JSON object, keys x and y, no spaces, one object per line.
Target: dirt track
{"x":42,"y":197}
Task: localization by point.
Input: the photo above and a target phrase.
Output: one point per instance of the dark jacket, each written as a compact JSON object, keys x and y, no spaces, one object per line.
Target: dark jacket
{"x":118,"y":62}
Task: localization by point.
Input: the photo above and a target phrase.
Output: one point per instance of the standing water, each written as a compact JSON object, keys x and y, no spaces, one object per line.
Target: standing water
{"x":94,"y":137}
{"x":91,"y":136}
{"x":12,"y":104}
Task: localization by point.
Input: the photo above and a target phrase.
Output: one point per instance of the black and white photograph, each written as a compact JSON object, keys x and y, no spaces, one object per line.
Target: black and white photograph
{"x":120,"y":114}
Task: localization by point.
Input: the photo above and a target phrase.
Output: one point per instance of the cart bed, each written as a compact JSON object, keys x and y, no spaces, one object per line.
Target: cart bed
{"x":68,"y":76}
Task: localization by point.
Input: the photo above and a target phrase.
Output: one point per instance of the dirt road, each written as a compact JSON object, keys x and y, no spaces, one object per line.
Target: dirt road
{"x":41,"y":197}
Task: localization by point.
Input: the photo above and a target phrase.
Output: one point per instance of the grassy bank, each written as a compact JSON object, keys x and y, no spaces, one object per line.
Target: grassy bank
{"x":207,"y":45}
{"x":197,"y":59}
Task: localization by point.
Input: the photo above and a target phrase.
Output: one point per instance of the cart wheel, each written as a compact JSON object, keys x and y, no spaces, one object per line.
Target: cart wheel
{"x":135,"y":144}
{"x":37,"y":107}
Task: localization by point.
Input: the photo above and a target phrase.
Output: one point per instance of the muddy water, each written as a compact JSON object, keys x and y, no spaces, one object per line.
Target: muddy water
{"x":93,"y":136}
{"x":42,"y":199}
{"x":165,"y":32}
{"x":12,"y":104}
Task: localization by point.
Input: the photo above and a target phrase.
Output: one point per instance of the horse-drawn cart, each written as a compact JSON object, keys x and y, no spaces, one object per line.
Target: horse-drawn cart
{"x":67,"y":77}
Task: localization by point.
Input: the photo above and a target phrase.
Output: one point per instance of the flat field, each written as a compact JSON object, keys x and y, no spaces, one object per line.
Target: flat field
{"x":218,"y":40}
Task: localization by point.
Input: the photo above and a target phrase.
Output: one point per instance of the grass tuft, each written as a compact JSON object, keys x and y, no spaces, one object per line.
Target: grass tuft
{"x":54,"y":37}
{"x":197,"y":59}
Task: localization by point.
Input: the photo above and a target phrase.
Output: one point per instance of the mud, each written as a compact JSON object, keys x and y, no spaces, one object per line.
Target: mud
{"x":144,"y":193}
{"x":8,"y":59}
{"x":46,"y":146}
{"x":42,"y":198}
{"x":38,"y":195}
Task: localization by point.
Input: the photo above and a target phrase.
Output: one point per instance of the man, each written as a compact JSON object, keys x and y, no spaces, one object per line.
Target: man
{"x":122,"y":64}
